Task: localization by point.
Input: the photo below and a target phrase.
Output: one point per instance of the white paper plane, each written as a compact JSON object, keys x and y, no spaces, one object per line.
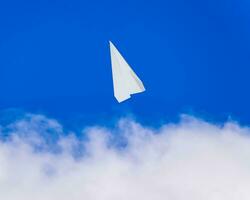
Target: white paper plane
{"x":125,"y":81}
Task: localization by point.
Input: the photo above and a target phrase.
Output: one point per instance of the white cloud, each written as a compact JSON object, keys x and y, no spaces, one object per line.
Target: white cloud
{"x":191,"y":160}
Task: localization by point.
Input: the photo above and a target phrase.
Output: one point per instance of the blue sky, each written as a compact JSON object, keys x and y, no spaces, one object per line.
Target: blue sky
{"x":193,"y":57}
{"x":64,"y":136}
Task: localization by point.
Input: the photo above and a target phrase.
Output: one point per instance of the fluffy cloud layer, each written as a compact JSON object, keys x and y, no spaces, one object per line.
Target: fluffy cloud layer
{"x":191,"y":160}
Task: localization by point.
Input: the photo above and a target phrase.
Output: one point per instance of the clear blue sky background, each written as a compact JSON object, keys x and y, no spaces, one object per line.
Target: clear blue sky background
{"x":193,"y":57}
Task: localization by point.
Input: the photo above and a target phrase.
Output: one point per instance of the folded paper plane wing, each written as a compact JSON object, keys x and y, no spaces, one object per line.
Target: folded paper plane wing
{"x":125,"y":81}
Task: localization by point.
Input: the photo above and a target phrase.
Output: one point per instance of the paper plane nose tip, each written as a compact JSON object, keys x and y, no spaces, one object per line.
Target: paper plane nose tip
{"x":110,"y":43}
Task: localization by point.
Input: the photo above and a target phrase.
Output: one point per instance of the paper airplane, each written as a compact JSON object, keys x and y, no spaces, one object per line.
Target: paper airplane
{"x":125,"y":81}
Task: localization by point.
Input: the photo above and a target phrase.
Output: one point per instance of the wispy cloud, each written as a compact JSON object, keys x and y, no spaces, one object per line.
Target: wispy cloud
{"x":191,"y":160}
